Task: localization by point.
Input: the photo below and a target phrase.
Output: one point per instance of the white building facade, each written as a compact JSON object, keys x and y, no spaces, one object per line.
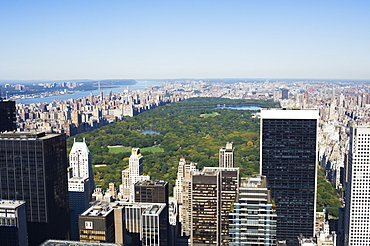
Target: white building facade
{"x":80,"y":183}
{"x":357,"y":221}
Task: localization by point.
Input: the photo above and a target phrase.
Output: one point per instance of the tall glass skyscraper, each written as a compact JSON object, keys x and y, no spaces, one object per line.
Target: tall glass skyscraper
{"x":7,"y":115}
{"x":33,"y":168}
{"x":288,"y":160}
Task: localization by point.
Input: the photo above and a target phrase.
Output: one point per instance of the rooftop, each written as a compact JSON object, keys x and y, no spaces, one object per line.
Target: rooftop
{"x":99,"y":209}
{"x":154,"y":209}
{"x":75,"y":243}
{"x":151,"y":182}
{"x":11,"y":203}
{"x":289,"y":114}
{"x":27,"y":135}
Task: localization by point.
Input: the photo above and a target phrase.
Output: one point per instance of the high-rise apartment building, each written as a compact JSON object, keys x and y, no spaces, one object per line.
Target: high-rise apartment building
{"x":7,"y":115}
{"x":226,"y":157}
{"x":357,"y":221}
{"x":214,"y":190}
{"x":34,"y":169}
{"x":132,"y":174}
{"x":80,"y":183}
{"x":288,"y":160}
{"x":136,"y":162}
{"x":182,"y":193}
{"x":13,"y":223}
{"x":253,"y":217}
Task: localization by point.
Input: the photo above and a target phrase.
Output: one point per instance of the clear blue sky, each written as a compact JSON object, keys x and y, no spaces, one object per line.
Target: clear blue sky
{"x":90,"y":39}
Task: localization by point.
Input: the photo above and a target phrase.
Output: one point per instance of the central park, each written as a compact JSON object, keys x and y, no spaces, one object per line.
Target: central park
{"x":194,"y":129}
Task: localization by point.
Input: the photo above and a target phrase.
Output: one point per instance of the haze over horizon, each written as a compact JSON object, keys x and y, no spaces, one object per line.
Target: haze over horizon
{"x":53,"y":40}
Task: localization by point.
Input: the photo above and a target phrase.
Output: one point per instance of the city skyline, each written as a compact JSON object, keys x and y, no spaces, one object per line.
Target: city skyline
{"x":166,"y":39}
{"x":337,"y":107}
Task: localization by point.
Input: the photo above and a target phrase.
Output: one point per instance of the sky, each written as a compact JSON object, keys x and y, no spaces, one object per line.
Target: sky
{"x":91,"y":39}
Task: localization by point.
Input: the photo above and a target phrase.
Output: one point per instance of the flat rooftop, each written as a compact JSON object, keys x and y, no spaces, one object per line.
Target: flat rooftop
{"x":28,"y":135}
{"x":11,"y":203}
{"x":152,"y":182}
{"x":75,"y":243}
{"x":154,"y":209}
{"x":289,"y":114}
{"x":100,"y":209}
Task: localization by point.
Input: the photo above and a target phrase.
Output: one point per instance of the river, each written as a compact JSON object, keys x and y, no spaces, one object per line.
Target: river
{"x":140,"y":85}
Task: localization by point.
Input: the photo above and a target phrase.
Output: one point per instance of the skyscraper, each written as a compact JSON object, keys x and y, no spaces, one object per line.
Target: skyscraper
{"x":182,"y":193}
{"x":80,"y":183}
{"x":154,"y":191}
{"x":151,"y":191}
{"x":213,"y":191}
{"x":357,"y":222}
{"x":34,"y":169}
{"x":154,"y":229}
{"x":253,"y":219}
{"x":226,"y":157}
{"x":288,"y":160}
{"x":132,"y":174}
{"x":7,"y":115}
{"x":144,"y":224}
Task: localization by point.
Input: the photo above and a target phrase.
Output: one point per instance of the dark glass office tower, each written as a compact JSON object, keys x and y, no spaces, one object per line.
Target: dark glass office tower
{"x":288,"y":160}
{"x":7,"y":115}
{"x":33,"y":168}
{"x":151,"y":191}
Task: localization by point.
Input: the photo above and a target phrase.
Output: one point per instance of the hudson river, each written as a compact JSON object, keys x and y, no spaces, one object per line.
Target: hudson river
{"x":140,"y":85}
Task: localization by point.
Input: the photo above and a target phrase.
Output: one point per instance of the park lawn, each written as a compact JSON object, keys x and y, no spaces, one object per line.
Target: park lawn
{"x":120,"y":149}
{"x":214,"y":114}
{"x":153,"y":149}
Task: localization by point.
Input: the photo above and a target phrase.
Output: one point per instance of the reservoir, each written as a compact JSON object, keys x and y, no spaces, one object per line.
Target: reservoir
{"x":149,"y":132}
{"x":242,"y":108}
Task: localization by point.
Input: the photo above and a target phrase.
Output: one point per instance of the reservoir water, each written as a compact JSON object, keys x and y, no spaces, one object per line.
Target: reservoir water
{"x":149,"y":132}
{"x":242,"y":108}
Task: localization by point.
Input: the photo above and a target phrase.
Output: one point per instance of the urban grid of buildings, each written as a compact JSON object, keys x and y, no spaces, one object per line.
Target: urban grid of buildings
{"x":45,"y":200}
